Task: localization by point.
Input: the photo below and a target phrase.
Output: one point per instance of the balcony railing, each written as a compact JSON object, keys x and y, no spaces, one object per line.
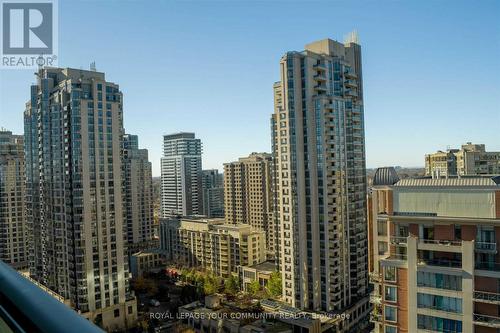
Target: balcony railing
{"x":399,"y":240}
{"x":486,"y":297}
{"x":441,"y":242}
{"x":441,"y":262}
{"x":488,"y":266}
{"x":486,"y":247}
{"x":24,"y":307}
{"x":485,"y":320}
{"x":376,"y":317}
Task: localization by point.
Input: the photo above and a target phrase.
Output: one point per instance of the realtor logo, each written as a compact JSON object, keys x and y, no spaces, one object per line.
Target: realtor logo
{"x":29,"y":33}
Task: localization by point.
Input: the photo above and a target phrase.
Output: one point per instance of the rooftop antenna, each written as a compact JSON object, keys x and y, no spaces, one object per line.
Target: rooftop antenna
{"x":92,"y":66}
{"x":351,"y":37}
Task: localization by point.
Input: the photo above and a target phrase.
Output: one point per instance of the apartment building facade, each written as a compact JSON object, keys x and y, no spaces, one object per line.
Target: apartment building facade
{"x":319,"y":152}
{"x":212,"y":244}
{"x":213,"y":193}
{"x":138,"y":192}
{"x":248,"y":195}
{"x":74,"y":195}
{"x":13,"y":230}
{"x":434,"y":260}
{"x":470,"y":159}
{"x":181,"y":188}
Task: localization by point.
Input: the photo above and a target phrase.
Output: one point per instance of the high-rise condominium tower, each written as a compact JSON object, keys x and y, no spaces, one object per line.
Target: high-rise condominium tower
{"x":318,"y":139}
{"x":73,"y":143}
{"x":213,"y":193}
{"x":181,"y":192}
{"x":138,"y":192}
{"x":13,"y":236}
{"x":248,"y":194}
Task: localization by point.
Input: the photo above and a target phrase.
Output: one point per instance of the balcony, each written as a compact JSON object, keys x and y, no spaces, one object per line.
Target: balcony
{"x":399,"y":240}
{"x":486,"y":297}
{"x":376,"y":317}
{"x":24,"y":307}
{"x":320,"y":77}
{"x":486,"y":247}
{"x":440,"y":262}
{"x":488,"y":266}
{"x":440,"y":245}
{"x":320,"y":87}
{"x":484,"y":320}
{"x":375,"y":277}
{"x":351,"y":83}
{"x":319,"y":67}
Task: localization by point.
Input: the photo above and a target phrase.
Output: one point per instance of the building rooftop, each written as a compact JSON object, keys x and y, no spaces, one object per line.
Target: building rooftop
{"x":385,"y":176}
{"x":462,"y":181}
{"x":265,"y":266}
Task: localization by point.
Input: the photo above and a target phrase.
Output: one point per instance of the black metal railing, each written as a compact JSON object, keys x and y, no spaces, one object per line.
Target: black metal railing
{"x":24,"y":307}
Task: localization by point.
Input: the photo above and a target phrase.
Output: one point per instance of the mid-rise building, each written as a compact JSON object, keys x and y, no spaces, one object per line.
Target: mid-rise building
{"x":138,"y":192}
{"x":13,"y":231}
{"x":319,"y":152}
{"x":212,"y":244}
{"x":470,"y":159}
{"x":181,"y":190}
{"x":73,"y":127}
{"x":213,"y":193}
{"x":434,"y":258}
{"x":248,"y":196}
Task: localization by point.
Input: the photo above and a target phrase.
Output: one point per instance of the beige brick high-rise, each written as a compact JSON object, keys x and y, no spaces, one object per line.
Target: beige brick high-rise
{"x":13,"y":232}
{"x":73,"y":125}
{"x":319,"y":151}
{"x":248,"y":196}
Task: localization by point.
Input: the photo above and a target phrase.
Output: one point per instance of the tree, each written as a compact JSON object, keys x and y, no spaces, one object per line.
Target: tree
{"x":211,"y":285}
{"x":254,"y":287}
{"x":274,"y":286}
{"x":231,"y":285}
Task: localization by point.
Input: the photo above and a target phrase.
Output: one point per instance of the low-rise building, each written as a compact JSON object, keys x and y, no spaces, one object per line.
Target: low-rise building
{"x":143,"y":262}
{"x":434,"y":260}
{"x":260,"y":272}
{"x":212,"y":244}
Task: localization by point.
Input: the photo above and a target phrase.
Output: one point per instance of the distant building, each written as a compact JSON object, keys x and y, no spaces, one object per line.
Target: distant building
{"x":213,"y":193}
{"x":248,"y":196}
{"x":470,"y":159}
{"x":434,"y":259}
{"x":181,"y":191}
{"x":13,"y":229}
{"x":73,"y":127}
{"x":142,"y":262}
{"x":138,"y":192}
{"x":211,"y":244}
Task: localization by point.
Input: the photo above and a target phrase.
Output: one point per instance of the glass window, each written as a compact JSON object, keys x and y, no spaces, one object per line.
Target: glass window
{"x":390,"y":294}
{"x":390,"y":274}
{"x":390,"y":313}
{"x":442,"y":303}
{"x":391,"y":329}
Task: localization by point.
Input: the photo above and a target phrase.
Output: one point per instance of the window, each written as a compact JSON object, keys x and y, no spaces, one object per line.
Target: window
{"x":439,"y":324}
{"x":390,"y":313}
{"x":130,"y":310}
{"x":438,"y":280}
{"x":390,"y":294}
{"x":117,"y":313}
{"x":442,"y":303}
{"x":391,"y":329}
{"x":390,"y":274}
{"x":382,"y":248}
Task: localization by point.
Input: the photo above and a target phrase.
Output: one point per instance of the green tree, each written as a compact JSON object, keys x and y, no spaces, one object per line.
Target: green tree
{"x":274,"y":286}
{"x":231,"y":285}
{"x":211,"y":285}
{"x":254,"y":287}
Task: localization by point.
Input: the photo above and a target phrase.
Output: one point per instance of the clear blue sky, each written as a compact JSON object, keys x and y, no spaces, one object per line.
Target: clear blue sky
{"x":431,"y":69}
